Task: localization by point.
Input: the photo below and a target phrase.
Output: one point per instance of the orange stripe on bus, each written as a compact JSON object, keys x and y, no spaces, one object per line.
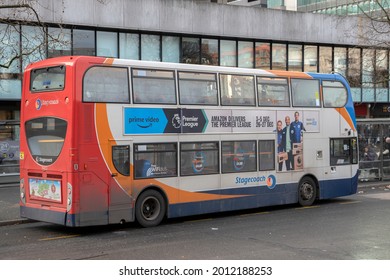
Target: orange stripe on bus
{"x":344,"y":113}
{"x":109,"y":61}
{"x":291,"y":74}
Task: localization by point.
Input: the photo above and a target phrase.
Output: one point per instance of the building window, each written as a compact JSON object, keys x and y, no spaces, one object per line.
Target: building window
{"x":107,"y":44}
{"x":381,"y":78}
{"x":171,"y":49}
{"x":295,"y":58}
{"x":59,"y":42}
{"x":228,"y":53}
{"x":150,"y":47}
{"x":10,"y":49}
{"x":368,"y":75}
{"x":354,"y":67}
{"x":190,"y":50}
{"x":9,"y":142}
{"x":325,"y":59}
{"x":83,"y":42}
{"x":279,"y":57}
{"x":210,"y":54}
{"x":129,"y":46}
{"x":245,"y":54}
{"x":340,"y":60}
{"x":310,"y":59}
{"x":263,"y":55}
{"x":33,"y":44}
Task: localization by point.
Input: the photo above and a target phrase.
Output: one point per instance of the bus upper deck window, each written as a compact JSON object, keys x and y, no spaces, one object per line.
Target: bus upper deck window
{"x":48,"y":79}
{"x":273,"y":91}
{"x":305,"y":93}
{"x":106,"y":84}
{"x":334,"y":94}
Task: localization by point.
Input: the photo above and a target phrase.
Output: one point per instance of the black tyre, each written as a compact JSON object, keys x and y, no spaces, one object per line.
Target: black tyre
{"x":150,"y":208}
{"x":307,"y":191}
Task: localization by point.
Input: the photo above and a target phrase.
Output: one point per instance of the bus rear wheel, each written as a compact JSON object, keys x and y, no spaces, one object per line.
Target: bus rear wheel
{"x":150,"y":208}
{"x":307,"y":191}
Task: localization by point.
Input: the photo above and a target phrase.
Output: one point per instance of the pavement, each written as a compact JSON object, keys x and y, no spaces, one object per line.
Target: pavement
{"x":9,"y":200}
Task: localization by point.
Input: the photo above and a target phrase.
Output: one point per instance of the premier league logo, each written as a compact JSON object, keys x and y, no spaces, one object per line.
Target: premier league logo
{"x":176,"y":122}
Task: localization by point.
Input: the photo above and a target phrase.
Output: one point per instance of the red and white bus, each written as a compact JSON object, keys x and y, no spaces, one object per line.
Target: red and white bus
{"x":107,"y":141}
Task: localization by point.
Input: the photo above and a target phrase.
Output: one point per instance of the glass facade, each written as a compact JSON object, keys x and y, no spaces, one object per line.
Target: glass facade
{"x":310,"y":60}
{"x":190,"y":50}
{"x":279,"y":57}
{"x":107,"y":44}
{"x":129,"y":46}
{"x":83,"y":42}
{"x":245,"y":54}
{"x":150,"y":47}
{"x":295,"y":58}
{"x":210,"y":51}
{"x":59,"y":42}
{"x":366,"y":69}
{"x":343,"y":7}
{"x":228,"y":53}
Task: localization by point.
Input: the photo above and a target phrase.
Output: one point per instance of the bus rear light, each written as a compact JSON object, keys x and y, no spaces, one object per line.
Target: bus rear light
{"x":22,"y":192}
{"x":69,"y":200}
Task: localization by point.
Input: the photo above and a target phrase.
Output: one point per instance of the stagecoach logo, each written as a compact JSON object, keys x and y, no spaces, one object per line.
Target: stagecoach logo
{"x":270,"y":181}
{"x":39,"y":103}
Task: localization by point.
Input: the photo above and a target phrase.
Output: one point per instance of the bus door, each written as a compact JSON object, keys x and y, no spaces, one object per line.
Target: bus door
{"x":120,"y":200}
{"x":343,"y":164}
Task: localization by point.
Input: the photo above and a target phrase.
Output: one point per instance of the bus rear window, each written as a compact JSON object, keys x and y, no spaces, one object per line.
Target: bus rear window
{"x":45,"y":138}
{"x":48,"y":79}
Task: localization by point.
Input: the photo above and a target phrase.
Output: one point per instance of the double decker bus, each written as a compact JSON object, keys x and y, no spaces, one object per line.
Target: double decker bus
{"x":106,"y":141}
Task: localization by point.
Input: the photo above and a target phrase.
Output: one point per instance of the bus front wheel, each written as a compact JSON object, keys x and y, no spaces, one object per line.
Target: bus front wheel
{"x":150,"y":208}
{"x":307,"y":191}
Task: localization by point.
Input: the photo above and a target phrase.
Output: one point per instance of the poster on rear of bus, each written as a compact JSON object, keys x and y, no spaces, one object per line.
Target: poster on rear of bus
{"x":45,"y":189}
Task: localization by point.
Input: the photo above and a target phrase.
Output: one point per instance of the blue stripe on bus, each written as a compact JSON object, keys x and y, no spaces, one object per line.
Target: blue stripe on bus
{"x":261,"y":196}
